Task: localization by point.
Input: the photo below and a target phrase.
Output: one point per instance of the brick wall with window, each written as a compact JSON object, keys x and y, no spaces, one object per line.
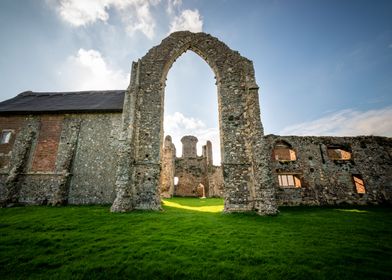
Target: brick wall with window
{"x":9,"y":128}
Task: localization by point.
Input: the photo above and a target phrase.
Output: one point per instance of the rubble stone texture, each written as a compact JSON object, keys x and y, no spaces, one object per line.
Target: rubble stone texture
{"x":94,"y":154}
{"x":327,"y":180}
{"x":197,"y":176}
{"x":239,"y":117}
{"x":84,"y":167}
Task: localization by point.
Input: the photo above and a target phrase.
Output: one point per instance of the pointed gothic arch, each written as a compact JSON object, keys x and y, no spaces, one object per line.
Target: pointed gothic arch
{"x":246,"y":177}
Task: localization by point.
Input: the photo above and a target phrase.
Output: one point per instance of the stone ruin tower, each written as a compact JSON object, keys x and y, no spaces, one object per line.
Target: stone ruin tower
{"x":168,"y":168}
{"x":196,"y":175}
{"x":189,"y":146}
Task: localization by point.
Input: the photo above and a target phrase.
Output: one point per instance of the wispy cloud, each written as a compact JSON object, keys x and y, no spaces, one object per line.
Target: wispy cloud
{"x":79,"y":13}
{"x":187,"y":20}
{"x":178,"y":125}
{"x":136,"y":14}
{"x":348,"y":122}
{"x":88,"y":70}
{"x":172,"y":5}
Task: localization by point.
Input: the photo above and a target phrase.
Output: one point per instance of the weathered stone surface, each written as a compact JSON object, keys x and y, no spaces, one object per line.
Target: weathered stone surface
{"x":19,"y":160}
{"x":240,"y":125}
{"x":197,"y":176}
{"x":328,"y":181}
{"x":168,"y":168}
{"x":88,"y":158}
{"x":84,"y":166}
{"x":195,"y":173}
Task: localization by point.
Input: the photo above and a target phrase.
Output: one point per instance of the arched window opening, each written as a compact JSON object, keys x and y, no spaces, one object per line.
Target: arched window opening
{"x":283,"y":152}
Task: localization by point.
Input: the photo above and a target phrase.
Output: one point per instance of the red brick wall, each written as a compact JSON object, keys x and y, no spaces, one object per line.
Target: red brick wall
{"x":14,"y":123}
{"x":45,"y":154}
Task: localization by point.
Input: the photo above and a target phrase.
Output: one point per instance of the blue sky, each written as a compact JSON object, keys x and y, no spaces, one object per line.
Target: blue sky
{"x":323,"y":67}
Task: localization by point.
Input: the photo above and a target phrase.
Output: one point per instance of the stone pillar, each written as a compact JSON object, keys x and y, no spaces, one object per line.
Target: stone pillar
{"x":168,"y":168}
{"x":20,"y":159}
{"x":189,"y":146}
{"x":209,"y":153}
{"x":67,"y":149}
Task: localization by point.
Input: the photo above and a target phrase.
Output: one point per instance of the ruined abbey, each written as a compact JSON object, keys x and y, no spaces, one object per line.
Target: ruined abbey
{"x":108,"y":147}
{"x":189,"y":175}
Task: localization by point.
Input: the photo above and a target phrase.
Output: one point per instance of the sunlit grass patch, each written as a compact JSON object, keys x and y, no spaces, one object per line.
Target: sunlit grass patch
{"x":213,"y":205}
{"x":211,"y":209}
{"x":352,"y":210}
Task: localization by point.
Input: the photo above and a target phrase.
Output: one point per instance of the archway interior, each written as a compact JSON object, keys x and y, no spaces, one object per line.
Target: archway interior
{"x":191,"y":104}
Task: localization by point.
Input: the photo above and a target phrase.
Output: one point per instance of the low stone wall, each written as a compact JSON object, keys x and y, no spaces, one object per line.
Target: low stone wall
{"x":305,"y":170}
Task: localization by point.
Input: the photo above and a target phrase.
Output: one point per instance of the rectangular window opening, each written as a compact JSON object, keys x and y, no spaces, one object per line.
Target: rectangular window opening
{"x":289,"y":181}
{"x":359,"y":184}
{"x":337,"y":153}
{"x":284,"y":154}
{"x":5,"y":136}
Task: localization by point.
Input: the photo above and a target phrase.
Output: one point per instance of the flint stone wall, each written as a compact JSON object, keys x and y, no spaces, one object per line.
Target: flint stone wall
{"x":190,"y":169}
{"x":84,"y":168}
{"x":98,"y":158}
{"x":326,"y":181}
{"x":244,"y":166}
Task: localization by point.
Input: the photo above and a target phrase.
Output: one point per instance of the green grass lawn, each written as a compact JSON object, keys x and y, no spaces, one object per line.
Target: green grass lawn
{"x":192,"y":239}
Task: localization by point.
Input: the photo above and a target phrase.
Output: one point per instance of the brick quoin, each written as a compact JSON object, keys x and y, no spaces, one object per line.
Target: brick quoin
{"x":44,"y":159}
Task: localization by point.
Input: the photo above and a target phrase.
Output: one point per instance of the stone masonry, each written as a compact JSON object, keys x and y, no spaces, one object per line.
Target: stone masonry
{"x":244,"y":166}
{"x":108,"y":147}
{"x":196,"y":175}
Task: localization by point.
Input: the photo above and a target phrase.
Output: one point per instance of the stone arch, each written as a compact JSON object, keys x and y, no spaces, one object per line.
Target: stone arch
{"x":244,"y":164}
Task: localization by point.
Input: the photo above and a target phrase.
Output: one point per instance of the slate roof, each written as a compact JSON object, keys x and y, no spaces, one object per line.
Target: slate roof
{"x":29,"y":102}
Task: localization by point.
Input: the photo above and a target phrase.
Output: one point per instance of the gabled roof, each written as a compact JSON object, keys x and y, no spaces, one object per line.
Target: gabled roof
{"x":29,"y":102}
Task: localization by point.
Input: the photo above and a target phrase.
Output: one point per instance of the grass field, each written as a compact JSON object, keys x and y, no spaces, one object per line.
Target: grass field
{"x":192,"y":239}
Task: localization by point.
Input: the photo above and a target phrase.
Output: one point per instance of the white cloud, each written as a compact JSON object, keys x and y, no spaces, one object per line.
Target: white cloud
{"x":172,"y":5}
{"x":83,"y":12}
{"x":178,"y":125}
{"x":87,"y":70}
{"x":347,"y":123}
{"x":140,"y":19}
{"x":136,"y":14}
{"x":187,"y":20}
